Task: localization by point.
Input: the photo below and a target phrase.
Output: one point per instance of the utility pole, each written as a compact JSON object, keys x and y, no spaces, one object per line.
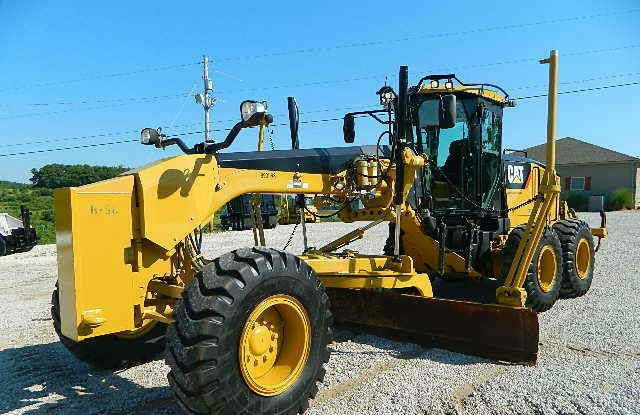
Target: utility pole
{"x":205,"y":99}
{"x":207,"y":102}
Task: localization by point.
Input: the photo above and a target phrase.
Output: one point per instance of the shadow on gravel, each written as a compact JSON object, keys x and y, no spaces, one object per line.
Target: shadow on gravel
{"x":46,"y":379}
{"x":399,"y":350}
{"x":162,"y":406}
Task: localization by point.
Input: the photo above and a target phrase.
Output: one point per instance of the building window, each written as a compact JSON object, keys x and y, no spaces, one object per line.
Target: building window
{"x":577,"y":183}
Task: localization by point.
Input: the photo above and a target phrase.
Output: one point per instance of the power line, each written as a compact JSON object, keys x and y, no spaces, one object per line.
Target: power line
{"x":534,"y":59}
{"x":104,"y":100}
{"x":102,"y":76}
{"x":130,"y":100}
{"x":115,"y":133}
{"x":107,"y":134}
{"x":579,"y":81}
{"x":46,"y":150}
{"x":575,"y":91}
{"x":301,"y":122}
{"x":82,"y":137}
{"x":429,"y":36}
{"x":126,"y":101}
{"x":44,"y":141}
{"x":271,"y":125}
{"x":592,"y":51}
{"x":335,"y":47}
{"x":440,"y":69}
{"x":306,"y":84}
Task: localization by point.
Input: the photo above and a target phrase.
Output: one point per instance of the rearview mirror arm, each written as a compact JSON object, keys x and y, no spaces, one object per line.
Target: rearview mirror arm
{"x":208,"y":147}
{"x":204,"y":147}
{"x":175,"y":140}
{"x":256,"y":119}
{"x":372,"y":115}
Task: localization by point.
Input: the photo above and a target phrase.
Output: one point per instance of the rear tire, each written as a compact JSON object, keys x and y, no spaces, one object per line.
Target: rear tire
{"x":578,"y":254}
{"x":3,"y":247}
{"x":111,"y":351}
{"x":544,"y":276}
{"x":212,"y":319}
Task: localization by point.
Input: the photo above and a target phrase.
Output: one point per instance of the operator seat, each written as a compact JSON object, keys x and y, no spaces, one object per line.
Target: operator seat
{"x":453,"y":165}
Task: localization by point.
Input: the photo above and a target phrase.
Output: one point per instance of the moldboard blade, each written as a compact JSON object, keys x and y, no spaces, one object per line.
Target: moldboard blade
{"x":493,"y":331}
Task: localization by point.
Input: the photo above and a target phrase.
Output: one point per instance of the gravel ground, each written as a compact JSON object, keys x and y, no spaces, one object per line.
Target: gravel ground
{"x":589,"y":359}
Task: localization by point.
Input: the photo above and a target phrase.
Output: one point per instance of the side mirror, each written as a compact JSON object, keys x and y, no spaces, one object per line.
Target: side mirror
{"x":349,"y":128}
{"x":448,"y":112}
{"x":294,"y":120}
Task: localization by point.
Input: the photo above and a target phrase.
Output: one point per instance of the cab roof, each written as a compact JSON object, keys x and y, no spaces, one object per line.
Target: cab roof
{"x":489,"y":94}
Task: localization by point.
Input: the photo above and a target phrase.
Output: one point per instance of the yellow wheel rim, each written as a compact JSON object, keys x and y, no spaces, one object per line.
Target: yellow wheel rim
{"x":583,"y":258}
{"x":274,"y":346}
{"x":547,"y":268}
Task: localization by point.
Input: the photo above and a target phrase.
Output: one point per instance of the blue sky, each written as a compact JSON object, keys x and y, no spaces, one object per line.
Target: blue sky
{"x":55,"y":52}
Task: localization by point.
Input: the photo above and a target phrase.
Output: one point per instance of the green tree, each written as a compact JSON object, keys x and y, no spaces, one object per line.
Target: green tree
{"x":53,"y":176}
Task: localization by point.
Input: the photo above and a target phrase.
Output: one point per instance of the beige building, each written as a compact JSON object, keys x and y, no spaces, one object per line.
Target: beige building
{"x":592,"y":169}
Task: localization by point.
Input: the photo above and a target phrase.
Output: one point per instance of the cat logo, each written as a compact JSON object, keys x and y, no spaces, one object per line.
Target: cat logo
{"x":515,"y":174}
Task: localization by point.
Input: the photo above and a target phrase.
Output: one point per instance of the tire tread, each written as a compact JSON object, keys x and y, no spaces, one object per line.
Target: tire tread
{"x":536,"y":300}
{"x":200,"y":373}
{"x":569,"y":232}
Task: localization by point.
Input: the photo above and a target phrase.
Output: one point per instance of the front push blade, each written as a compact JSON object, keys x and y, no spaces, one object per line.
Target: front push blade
{"x":487,"y":330}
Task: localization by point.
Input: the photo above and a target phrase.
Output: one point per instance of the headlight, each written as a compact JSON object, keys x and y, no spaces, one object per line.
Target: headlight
{"x":248,"y":108}
{"x":149,"y":136}
{"x":448,"y":85}
{"x":434,"y":84}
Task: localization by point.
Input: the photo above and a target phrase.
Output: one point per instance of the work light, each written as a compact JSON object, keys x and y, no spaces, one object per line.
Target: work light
{"x":248,"y":108}
{"x":387,"y":95}
{"x":149,"y":136}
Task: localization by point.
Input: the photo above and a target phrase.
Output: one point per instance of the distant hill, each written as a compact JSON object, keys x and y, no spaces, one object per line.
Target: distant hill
{"x":5,"y":184}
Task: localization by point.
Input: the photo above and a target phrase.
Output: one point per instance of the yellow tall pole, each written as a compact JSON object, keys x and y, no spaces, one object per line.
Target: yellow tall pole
{"x":552,"y":60}
{"x":261,"y":137}
{"x":511,"y":292}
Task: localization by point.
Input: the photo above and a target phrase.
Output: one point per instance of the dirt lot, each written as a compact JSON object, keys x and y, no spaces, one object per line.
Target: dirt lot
{"x":589,"y":360}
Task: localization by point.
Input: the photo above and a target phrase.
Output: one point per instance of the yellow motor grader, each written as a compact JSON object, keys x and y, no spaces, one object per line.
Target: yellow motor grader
{"x":247,"y":332}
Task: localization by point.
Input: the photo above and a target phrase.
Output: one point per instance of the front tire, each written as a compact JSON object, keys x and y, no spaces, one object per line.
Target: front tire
{"x":578,"y":255}
{"x":544,"y":276}
{"x":227,"y":351}
{"x":112,"y":350}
